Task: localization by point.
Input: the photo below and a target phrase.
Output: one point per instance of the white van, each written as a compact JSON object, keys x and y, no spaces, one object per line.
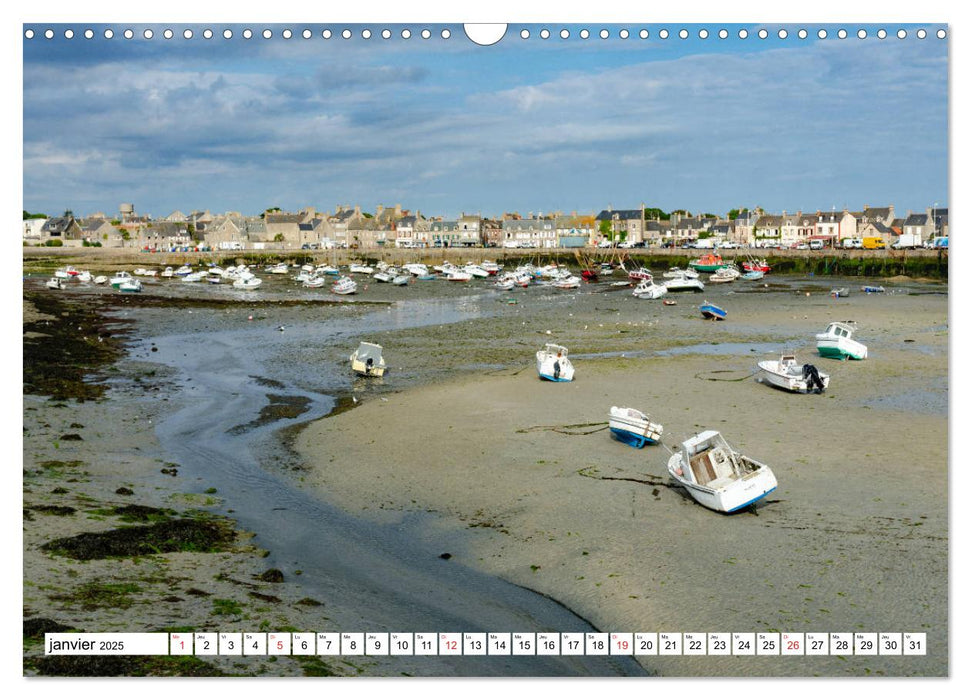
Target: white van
{"x":815,"y":245}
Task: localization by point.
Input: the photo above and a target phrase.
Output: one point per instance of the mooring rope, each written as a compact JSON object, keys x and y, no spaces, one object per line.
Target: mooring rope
{"x":567,"y":429}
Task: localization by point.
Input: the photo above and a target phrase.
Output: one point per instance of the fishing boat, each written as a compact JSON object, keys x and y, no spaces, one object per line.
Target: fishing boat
{"x":54,"y":283}
{"x":717,"y":476}
{"x":401,"y":280}
{"x":641,"y":273}
{"x":367,"y":360}
{"x":872,"y":290}
{"x":758,"y":264}
{"x":684,"y":284}
{"x":362,"y":269}
{"x":633,"y":427}
{"x":247,"y":283}
{"x":837,"y":342}
{"x":130,"y":285}
{"x":676,"y":272}
{"x":753,"y":275}
{"x":786,"y":373}
{"x":709,"y":262}
{"x":712,"y":311}
{"x":345,"y":285}
{"x":648,"y":289}
{"x":553,"y":364}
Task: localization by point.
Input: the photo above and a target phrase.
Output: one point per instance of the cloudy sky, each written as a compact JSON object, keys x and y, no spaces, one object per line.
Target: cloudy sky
{"x":446,"y":126}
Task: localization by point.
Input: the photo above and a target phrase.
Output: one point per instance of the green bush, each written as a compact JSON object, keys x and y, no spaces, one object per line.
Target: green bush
{"x":54,"y":243}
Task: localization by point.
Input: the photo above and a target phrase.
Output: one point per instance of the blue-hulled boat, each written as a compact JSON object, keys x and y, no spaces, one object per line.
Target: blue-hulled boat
{"x":633,"y":427}
{"x":709,"y":310}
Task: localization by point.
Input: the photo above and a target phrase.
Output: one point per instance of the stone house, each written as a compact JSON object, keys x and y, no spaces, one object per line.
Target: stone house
{"x":767,"y":230}
{"x":62,"y":228}
{"x":625,"y":224}
{"x":796,"y":228}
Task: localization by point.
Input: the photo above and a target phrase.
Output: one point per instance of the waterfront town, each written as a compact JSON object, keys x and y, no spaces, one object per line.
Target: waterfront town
{"x":353,"y":227}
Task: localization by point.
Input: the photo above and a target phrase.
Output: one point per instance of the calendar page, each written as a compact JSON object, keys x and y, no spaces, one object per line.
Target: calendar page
{"x":386,"y":345}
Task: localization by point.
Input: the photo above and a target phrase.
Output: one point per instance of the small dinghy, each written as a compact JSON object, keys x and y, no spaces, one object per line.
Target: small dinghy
{"x":100,"y":279}
{"x":553,"y":364}
{"x":837,"y":342}
{"x":753,"y":275}
{"x":670,"y":302}
{"x":712,"y":311}
{"x":633,"y":427}
{"x":872,"y":290}
{"x":683,"y":283}
{"x":362,"y":269}
{"x":55,"y":283}
{"x":401,"y":280}
{"x":786,"y":373}
{"x":247,"y":283}
{"x":314,"y":282}
{"x":367,"y":360}
{"x":839,"y":293}
{"x":717,"y":476}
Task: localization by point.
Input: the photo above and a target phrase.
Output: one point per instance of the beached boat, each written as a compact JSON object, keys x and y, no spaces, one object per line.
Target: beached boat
{"x":676,"y":272}
{"x":786,"y":373}
{"x":383,"y":276}
{"x":416,"y":269}
{"x":457,"y":275}
{"x":345,"y":285}
{"x":83,"y":276}
{"x":362,"y":269}
{"x":872,"y":290}
{"x":278,"y":269}
{"x":684,"y":284}
{"x":723,"y":275}
{"x":100,"y":279}
{"x":717,"y":476}
{"x":401,"y":280}
{"x":183,"y":271}
{"x":837,"y":342}
{"x":119,"y":278}
{"x":589,"y":275}
{"x":247,"y":283}
{"x":758,"y":264}
{"x":490,"y":266}
{"x":839,"y":292}
{"x":553,"y":364}
{"x":426,"y":277}
{"x":647,"y":289}
{"x":568,"y":282}
{"x":197,"y":276}
{"x":327,"y":270}
{"x":670,"y":302}
{"x":709,"y":262}
{"x":314,"y":282}
{"x":130,"y":285}
{"x":54,"y":283}
{"x":476,"y":270}
{"x":753,"y":275}
{"x":633,"y":427}
{"x":713,"y":311}
{"x":367,"y":360}
{"x":214,"y":277}
{"x":641,"y":273}
{"x":167,"y":272}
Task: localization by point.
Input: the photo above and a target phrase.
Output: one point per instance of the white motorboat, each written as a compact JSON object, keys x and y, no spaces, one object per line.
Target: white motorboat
{"x":247,"y":283}
{"x":362,"y":269}
{"x":84,"y":276}
{"x":648,"y":289}
{"x":100,"y":279}
{"x":401,"y":280}
{"x":214,"y":277}
{"x":553,"y":364}
{"x":197,"y":276}
{"x":183,"y":271}
{"x":119,"y":278}
{"x":130,"y":285}
{"x":684,"y":284}
{"x":167,"y":272}
{"x":491,"y":267}
{"x":367,"y":360}
{"x":278,"y":269}
{"x":717,"y":476}
{"x":55,"y":283}
{"x":416,"y":269}
{"x":457,"y":275}
{"x":327,"y":270}
{"x":314,"y":282}
{"x":837,"y":342}
{"x":568,"y":282}
{"x":674,"y":272}
{"x":383,"y":276}
{"x":476,"y":270}
{"x":345,"y":285}
{"x":634,"y":427}
{"x":788,"y":374}
{"x":505,"y":283}
{"x":724,"y":274}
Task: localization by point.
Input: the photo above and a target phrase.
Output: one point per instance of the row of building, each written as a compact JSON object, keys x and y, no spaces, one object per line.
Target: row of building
{"x":350,"y":227}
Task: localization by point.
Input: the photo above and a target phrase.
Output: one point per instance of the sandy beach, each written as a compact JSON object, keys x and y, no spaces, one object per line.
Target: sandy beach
{"x":461,"y":450}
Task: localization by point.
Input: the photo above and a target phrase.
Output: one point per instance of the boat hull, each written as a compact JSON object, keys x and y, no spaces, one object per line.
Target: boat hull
{"x":840,"y":351}
{"x":713,"y":312}
{"x":547,"y":371}
{"x":736,"y":496}
{"x":772,"y":376}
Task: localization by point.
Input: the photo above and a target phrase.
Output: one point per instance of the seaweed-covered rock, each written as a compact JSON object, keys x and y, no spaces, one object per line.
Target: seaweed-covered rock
{"x":271,"y":576}
{"x":183,"y":535}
